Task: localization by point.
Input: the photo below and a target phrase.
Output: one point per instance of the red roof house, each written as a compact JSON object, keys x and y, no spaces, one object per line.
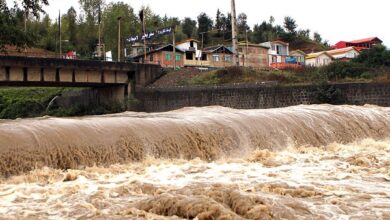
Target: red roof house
{"x":361,"y":44}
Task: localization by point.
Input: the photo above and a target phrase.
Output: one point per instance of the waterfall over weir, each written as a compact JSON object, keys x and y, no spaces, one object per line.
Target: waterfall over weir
{"x":209,"y":133}
{"x":302,"y":162}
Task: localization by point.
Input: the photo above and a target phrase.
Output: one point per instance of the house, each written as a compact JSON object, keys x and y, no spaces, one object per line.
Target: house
{"x":253,"y":55}
{"x":216,"y":56}
{"x":344,"y":54}
{"x":278,"y":51}
{"x":318,"y":59}
{"x":191,"y":52}
{"x":297,"y":57}
{"x":361,"y":44}
{"x":163,"y":56}
{"x":138,"y":48}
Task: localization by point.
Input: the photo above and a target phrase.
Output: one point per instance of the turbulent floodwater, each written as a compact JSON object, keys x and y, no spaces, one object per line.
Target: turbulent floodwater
{"x":302,"y":162}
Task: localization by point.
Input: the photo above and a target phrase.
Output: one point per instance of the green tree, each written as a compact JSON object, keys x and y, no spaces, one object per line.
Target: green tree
{"x":290,"y":25}
{"x":317,"y":37}
{"x":71,"y":17}
{"x":189,"y":27}
{"x":242,"y":26}
{"x":92,"y":9}
{"x":377,"y":56}
{"x":129,"y":24}
{"x":205,"y":24}
{"x":271,"y":20}
{"x":10,"y":33}
{"x":88,"y":28}
{"x":227,"y":26}
{"x":219,"y":23}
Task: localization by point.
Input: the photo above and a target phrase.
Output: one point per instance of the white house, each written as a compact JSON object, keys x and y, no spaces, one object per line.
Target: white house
{"x":278,"y":51}
{"x":344,"y":53}
{"x":318,"y":59}
{"x":190,"y":48}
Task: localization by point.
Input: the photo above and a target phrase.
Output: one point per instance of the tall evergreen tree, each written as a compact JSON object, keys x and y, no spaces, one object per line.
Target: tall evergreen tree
{"x":205,"y":24}
{"x":189,"y":27}
{"x":290,"y":25}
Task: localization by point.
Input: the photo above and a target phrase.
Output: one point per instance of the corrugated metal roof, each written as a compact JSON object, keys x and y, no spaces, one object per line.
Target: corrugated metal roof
{"x":212,"y":49}
{"x":365,"y":40}
{"x":340,"y":51}
{"x":160,"y":48}
{"x":315,"y":55}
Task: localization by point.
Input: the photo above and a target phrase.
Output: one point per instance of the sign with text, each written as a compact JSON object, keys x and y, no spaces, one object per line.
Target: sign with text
{"x":150,"y":35}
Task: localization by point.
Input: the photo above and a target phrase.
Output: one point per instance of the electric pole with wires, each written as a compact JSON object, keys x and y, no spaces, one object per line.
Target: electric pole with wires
{"x":234,"y":34}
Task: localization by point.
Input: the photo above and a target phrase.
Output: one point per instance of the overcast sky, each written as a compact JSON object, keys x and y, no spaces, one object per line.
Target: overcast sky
{"x":335,"y":20}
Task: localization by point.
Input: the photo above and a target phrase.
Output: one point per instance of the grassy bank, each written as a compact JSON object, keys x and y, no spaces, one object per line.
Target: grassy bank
{"x":334,"y":73}
{"x":34,"y":101}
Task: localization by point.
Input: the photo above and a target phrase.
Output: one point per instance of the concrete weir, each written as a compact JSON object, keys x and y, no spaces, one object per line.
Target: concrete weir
{"x":111,"y":81}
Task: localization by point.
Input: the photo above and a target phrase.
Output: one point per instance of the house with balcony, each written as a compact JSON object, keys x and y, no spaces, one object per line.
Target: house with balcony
{"x":278,"y":51}
{"x":191,"y":52}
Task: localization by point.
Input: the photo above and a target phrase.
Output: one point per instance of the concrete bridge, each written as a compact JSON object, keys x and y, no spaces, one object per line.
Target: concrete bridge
{"x":112,"y":80}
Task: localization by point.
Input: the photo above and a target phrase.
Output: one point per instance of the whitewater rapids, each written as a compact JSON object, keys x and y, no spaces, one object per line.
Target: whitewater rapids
{"x":302,"y":162}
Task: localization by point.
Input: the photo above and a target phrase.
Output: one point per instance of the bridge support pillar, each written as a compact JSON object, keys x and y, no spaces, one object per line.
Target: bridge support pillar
{"x":107,"y":95}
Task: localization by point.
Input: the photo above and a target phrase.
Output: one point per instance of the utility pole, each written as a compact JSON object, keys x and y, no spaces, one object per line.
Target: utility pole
{"x":234,"y":34}
{"x":119,"y":39}
{"x":174,"y":48}
{"x":247,"y":45}
{"x":142,"y":18}
{"x":202,"y":33}
{"x":100,"y":43}
{"x":25,"y":29}
{"x":59,"y":31}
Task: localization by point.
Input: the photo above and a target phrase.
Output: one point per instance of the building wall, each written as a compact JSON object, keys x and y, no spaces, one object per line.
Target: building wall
{"x":256,"y":97}
{"x":222,"y":62}
{"x":300,"y":57}
{"x":350,"y":55}
{"x":160,"y":59}
{"x":184,"y":46}
{"x":256,"y":57}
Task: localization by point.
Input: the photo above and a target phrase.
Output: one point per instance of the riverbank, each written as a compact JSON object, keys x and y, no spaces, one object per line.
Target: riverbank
{"x":28,"y":102}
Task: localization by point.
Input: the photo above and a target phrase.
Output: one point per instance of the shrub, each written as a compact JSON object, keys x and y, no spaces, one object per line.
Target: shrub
{"x":329,"y":94}
{"x":377,"y":56}
{"x":341,"y":70}
{"x":21,"y":109}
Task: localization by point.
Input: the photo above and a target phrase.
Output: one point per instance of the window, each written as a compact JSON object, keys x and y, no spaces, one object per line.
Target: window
{"x":191,"y":43}
{"x":204,"y":57}
{"x":178,"y":57}
{"x":274,"y":59}
{"x":151,"y":57}
{"x":228,"y":58}
{"x":168,"y":56}
{"x":189,"y":56}
{"x":216,"y":58}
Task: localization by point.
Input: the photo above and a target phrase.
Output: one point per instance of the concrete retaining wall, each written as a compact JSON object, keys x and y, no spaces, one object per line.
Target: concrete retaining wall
{"x":257,"y":96}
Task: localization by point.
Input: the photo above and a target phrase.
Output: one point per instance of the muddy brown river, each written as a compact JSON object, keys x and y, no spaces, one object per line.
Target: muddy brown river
{"x":301,"y":162}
